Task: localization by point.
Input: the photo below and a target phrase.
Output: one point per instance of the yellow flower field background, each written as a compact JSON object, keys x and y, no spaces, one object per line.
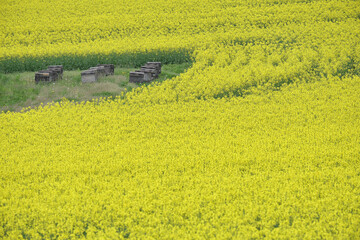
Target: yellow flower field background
{"x":260,"y":138}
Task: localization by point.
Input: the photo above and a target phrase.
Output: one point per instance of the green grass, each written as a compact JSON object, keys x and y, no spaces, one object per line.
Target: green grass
{"x":15,"y":89}
{"x":18,"y":90}
{"x":173,"y":70}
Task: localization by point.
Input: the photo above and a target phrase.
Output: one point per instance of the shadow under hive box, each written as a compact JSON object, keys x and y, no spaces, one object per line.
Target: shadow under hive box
{"x":89,"y":76}
{"x":45,"y":76}
{"x":109,"y":68}
{"x":58,"y":69}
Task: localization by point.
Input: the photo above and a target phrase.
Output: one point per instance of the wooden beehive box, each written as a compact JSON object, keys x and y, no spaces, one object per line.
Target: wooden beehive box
{"x":136,"y":77}
{"x":100,"y":70}
{"x":89,"y":76}
{"x":156,"y":65}
{"x":148,"y":75}
{"x":45,"y":76}
{"x":109,"y":68}
{"x":58,"y":69}
{"x":152,"y":70}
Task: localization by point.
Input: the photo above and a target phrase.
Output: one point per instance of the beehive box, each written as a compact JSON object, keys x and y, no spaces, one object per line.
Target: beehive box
{"x":136,"y":77}
{"x":100,"y":70}
{"x":156,"y":65}
{"x":45,"y":76}
{"x":89,"y":76}
{"x":152,"y":70}
{"x":109,"y":68}
{"x":58,"y":69}
{"x":148,"y":76}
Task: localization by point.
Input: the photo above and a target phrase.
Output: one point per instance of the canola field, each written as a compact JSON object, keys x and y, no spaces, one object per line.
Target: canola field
{"x":259,"y":139}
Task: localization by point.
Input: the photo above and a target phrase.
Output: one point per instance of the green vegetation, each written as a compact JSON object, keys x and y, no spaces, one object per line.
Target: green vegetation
{"x":173,"y":70}
{"x":15,"y":89}
{"x":18,"y":90}
{"x":73,"y":62}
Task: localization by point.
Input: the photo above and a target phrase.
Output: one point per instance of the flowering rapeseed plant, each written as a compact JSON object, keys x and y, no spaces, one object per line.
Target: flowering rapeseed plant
{"x":277,"y":165}
{"x":258,"y":139}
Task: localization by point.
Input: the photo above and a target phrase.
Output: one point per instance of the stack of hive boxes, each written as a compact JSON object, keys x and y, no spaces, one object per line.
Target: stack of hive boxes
{"x":94,"y":73}
{"x":53,"y":73}
{"x":147,"y":73}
